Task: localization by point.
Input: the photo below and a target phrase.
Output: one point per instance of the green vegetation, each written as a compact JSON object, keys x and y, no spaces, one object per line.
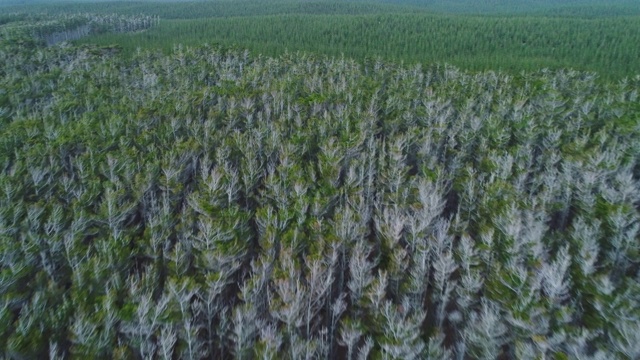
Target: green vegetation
{"x":590,"y":8}
{"x":212,"y":203}
{"x":191,"y":9}
{"x":607,"y":46}
{"x":582,"y":35}
{"x":218,"y":9}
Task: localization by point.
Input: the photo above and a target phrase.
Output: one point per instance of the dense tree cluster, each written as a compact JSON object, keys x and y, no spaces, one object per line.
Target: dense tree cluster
{"x":55,"y":29}
{"x":511,"y":43}
{"x":505,"y":35}
{"x":194,"y":9}
{"x":210,"y":203}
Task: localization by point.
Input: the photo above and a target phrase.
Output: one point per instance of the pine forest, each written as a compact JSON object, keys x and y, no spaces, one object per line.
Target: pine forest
{"x":320,"y":180}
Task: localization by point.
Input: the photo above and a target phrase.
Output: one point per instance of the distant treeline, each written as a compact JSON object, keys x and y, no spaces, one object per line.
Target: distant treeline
{"x":31,"y":29}
{"x":476,"y":35}
{"x":548,"y":7}
{"x":200,"y":9}
{"x":604,"y":45}
{"x":177,"y":9}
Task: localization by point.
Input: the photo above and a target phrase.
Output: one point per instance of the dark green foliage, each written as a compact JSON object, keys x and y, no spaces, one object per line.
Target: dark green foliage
{"x":217,"y":9}
{"x":603,"y":45}
{"x":580,"y":8}
{"x":511,"y":36}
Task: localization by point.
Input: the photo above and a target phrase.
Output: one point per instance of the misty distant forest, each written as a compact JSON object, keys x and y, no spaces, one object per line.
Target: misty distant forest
{"x":322,"y":179}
